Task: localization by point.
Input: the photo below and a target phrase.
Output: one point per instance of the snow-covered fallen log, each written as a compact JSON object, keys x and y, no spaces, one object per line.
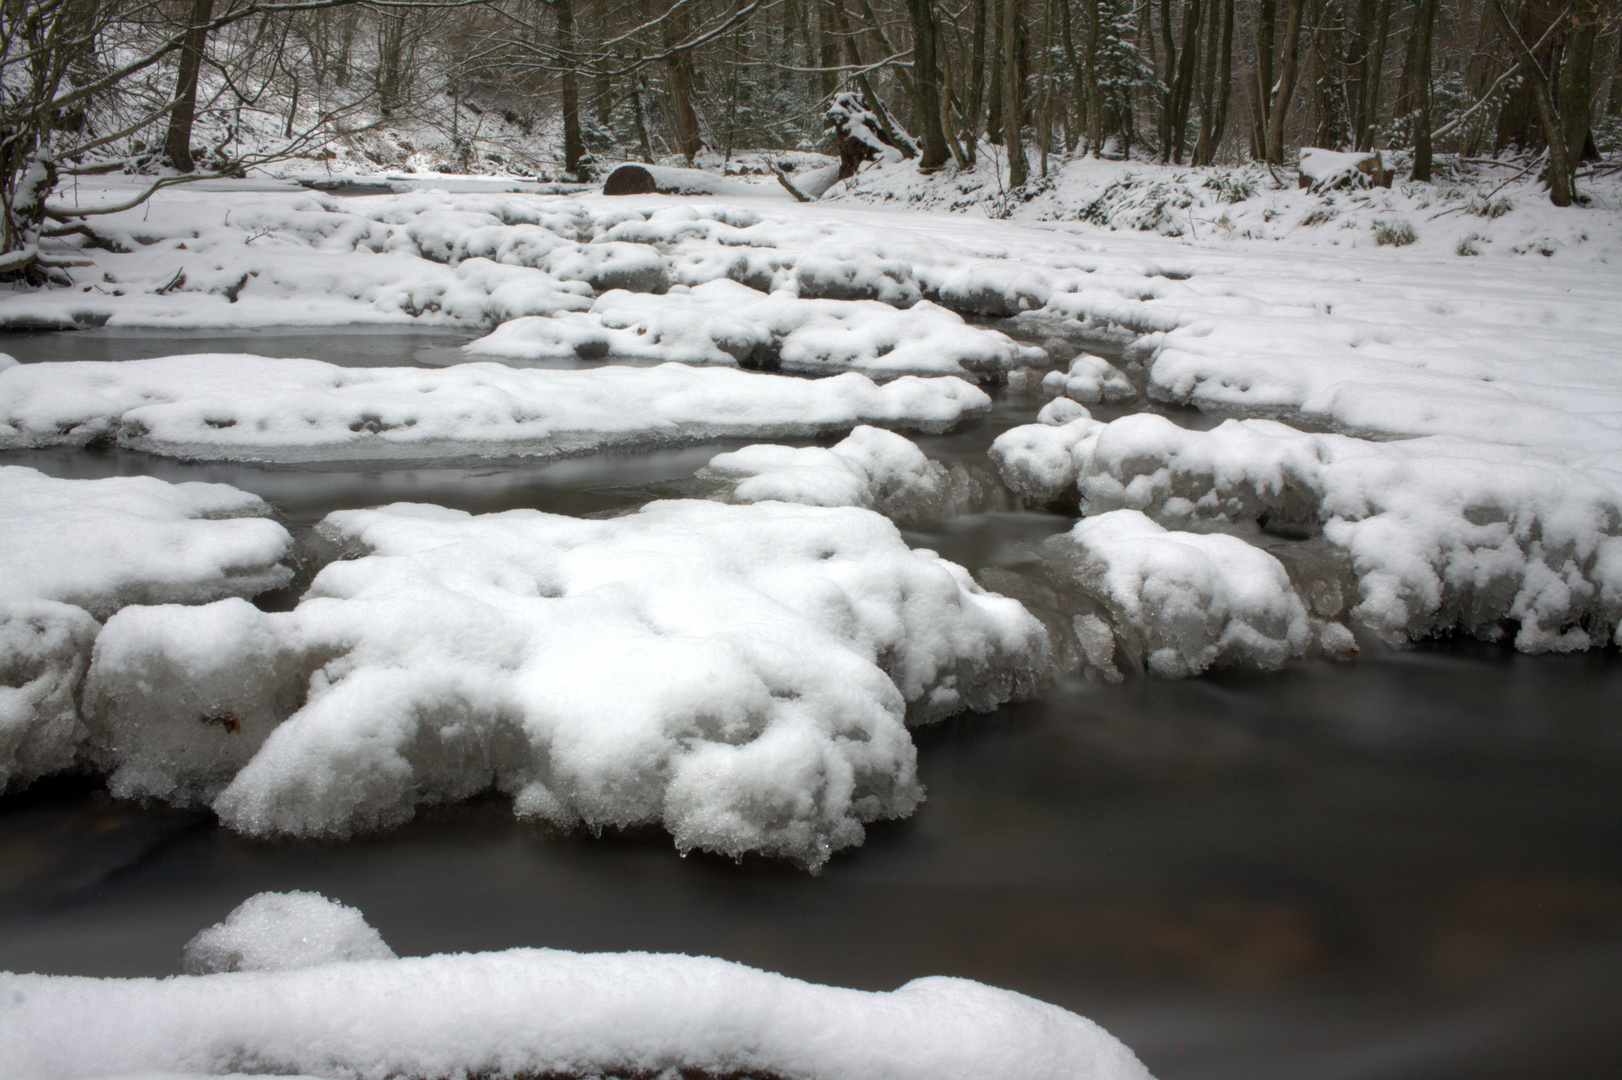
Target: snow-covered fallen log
{"x":75,"y":551}
{"x":741,"y":675}
{"x":1437,"y":533}
{"x":248,"y":408}
{"x":289,"y":1010}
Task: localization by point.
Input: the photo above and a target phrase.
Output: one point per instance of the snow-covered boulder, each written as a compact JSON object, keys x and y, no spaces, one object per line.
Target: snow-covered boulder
{"x":872,"y":468}
{"x":1090,"y":380}
{"x":529,"y":1012}
{"x":274,"y":931}
{"x":75,"y":551}
{"x":249,"y":408}
{"x":1437,"y":532}
{"x":1182,"y":602}
{"x":742,"y":675}
{"x":633,"y":267}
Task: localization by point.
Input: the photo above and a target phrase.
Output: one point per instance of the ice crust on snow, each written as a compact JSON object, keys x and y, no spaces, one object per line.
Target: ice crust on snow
{"x":527,"y":1012}
{"x":249,"y":408}
{"x":724,"y":322}
{"x":1186,"y":601}
{"x":75,"y":551}
{"x":273,"y":931}
{"x":872,"y":468}
{"x":742,"y":675}
{"x":1437,"y":533}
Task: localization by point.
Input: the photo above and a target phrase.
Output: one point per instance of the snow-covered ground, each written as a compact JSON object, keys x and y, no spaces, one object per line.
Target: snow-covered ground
{"x":1429,"y":443}
{"x":296,"y":985}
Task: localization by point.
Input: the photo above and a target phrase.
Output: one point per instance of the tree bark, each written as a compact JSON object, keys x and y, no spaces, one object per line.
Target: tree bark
{"x":1425,"y":24}
{"x":926,"y":78}
{"x":574,"y":148}
{"x":1278,"y":114}
{"x":1012,"y":93}
{"x":177,"y":142}
{"x":1559,"y":174}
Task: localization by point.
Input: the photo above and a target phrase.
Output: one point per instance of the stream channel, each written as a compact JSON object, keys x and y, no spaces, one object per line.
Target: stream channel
{"x":1406,"y":866}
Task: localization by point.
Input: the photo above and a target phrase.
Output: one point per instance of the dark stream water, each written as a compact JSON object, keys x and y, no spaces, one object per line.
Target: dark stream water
{"x":1409,"y":866}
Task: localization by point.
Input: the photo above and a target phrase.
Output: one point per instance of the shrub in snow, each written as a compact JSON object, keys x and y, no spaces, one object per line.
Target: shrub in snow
{"x":740,"y":674}
{"x":1437,"y":533}
{"x":874,"y":469}
{"x":274,"y":931}
{"x":1394,"y":233}
{"x":525,"y":1012}
{"x":73,"y":551}
{"x":248,"y":408}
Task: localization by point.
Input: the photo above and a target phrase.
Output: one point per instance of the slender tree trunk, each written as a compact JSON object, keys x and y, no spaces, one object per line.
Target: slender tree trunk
{"x":1187,"y":73}
{"x":574,"y":148}
{"x":1078,"y":83}
{"x":1278,"y":115}
{"x":1561,"y":168}
{"x":177,"y":141}
{"x":1012,"y":93}
{"x":1371,"y":96}
{"x":1266,"y":18}
{"x":679,"y":69}
{"x":1424,"y":25}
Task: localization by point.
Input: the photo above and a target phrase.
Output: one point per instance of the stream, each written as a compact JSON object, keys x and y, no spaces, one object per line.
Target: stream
{"x":1406,"y":866}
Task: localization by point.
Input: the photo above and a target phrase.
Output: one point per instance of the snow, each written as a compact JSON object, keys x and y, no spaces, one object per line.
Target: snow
{"x":273,"y":931}
{"x":742,"y":675}
{"x":872,"y":468}
{"x":1090,"y":379}
{"x":1437,"y":533}
{"x":248,"y":408}
{"x":724,"y":322}
{"x":1325,"y":168}
{"x":73,"y":552}
{"x":1185,"y":601}
{"x":528,"y":1012}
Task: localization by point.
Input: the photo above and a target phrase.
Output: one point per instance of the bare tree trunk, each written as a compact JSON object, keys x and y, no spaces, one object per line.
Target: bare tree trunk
{"x":926,"y":83}
{"x":1266,"y":17}
{"x":1371,"y":95}
{"x":1279,"y":113}
{"x":1187,"y":72}
{"x":1012,"y":92}
{"x":574,"y":148}
{"x":177,"y":142}
{"x":1559,"y":174}
{"x":1424,"y":26}
{"x":679,"y":70}
{"x":977,"y":80}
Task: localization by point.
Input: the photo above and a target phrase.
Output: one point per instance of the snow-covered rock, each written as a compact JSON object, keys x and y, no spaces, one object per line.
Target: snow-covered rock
{"x":1182,"y":602}
{"x":724,"y":322}
{"x":529,"y":1012}
{"x":1090,"y":380}
{"x":1438,"y":533}
{"x":872,"y":468}
{"x":741,"y":675}
{"x":274,"y":931}
{"x":74,"y":551}
{"x":249,"y":408}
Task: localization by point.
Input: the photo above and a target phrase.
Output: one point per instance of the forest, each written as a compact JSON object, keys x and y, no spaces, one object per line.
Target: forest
{"x":182,"y":87}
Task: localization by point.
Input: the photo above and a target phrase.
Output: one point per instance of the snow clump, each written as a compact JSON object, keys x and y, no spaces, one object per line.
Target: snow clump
{"x":874,"y":469}
{"x":274,"y":931}
{"x":742,"y":675}
{"x":1090,"y":380}
{"x":250,"y":408}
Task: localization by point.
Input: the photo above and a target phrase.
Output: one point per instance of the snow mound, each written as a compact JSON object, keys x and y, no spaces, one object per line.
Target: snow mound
{"x":634,"y":267}
{"x":725,"y":322}
{"x":874,"y":469}
{"x":1090,"y":380}
{"x":1182,"y":602}
{"x":249,"y":408}
{"x":1437,"y":533}
{"x":74,"y":551}
{"x":741,"y":675}
{"x":541,"y":1012}
{"x":102,"y":544}
{"x":274,"y":931}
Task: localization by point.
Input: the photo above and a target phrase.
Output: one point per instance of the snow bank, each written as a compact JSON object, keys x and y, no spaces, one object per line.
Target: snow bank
{"x":1438,"y":533}
{"x":724,"y":322}
{"x":874,"y":469}
{"x":541,"y":1012}
{"x":740,"y":675}
{"x":1184,"y":601}
{"x":249,"y":408}
{"x":74,"y":551}
{"x":274,"y":931}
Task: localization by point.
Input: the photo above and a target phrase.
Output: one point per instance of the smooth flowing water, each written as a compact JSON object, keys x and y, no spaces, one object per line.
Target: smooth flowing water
{"x":1405,"y":866}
